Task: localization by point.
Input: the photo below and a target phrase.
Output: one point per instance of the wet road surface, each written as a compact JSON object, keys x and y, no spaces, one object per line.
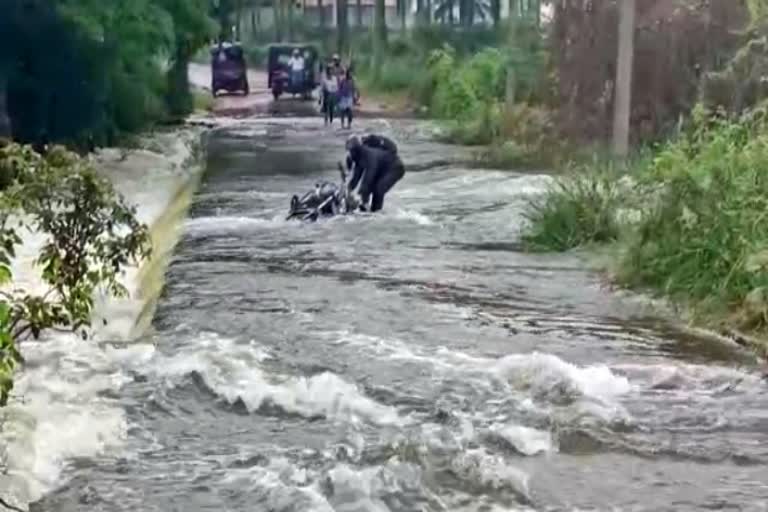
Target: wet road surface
{"x":409,"y":361}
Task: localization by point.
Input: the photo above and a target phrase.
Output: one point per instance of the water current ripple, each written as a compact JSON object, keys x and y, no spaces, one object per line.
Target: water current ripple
{"x":411,"y":361}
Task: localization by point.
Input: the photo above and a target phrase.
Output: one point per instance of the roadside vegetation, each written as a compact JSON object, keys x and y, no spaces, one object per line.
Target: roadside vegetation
{"x":76,"y":75}
{"x":686,"y":221}
{"x":89,"y":236}
{"x":88,"y":73}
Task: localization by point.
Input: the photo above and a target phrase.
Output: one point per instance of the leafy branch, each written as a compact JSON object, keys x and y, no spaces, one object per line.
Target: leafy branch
{"x":90,"y":235}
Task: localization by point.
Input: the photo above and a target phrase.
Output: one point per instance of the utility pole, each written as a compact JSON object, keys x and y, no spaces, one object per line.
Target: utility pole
{"x":622,"y":103}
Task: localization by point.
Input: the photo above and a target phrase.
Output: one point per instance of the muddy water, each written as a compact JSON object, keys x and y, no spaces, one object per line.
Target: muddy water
{"x":409,"y":361}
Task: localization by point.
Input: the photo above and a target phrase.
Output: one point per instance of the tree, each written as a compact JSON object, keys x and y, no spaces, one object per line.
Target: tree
{"x":379,"y":37}
{"x":342,"y":26}
{"x":402,"y":10}
{"x":5,"y":121}
{"x":623,"y":89}
{"x":444,"y":11}
{"x":86,"y":71}
{"x":496,"y":12}
{"x":191,"y":28}
{"x":277,"y":8}
{"x":91,"y":234}
{"x":359,"y":12}
{"x":6,"y":38}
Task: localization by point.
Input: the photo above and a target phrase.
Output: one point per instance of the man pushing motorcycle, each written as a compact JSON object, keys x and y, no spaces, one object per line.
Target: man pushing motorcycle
{"x":376,"y":166}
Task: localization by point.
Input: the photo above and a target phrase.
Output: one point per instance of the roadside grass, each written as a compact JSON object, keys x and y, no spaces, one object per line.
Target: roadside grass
{"x":688,"y":221}
{"x":580,"y":208}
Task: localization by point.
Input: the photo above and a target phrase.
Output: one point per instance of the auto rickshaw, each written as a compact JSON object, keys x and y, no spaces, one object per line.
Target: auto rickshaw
{"x":228,"y":69}
{"x":278,"y":71}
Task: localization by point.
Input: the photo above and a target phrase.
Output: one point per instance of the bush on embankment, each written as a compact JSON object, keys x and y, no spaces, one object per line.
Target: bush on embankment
{"x":89,"y":235}
{"x":696,"y":232}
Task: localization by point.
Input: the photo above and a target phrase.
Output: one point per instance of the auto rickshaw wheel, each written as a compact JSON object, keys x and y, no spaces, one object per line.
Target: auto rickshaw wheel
{"x":246,"y":89}
{"x":275,"y":94}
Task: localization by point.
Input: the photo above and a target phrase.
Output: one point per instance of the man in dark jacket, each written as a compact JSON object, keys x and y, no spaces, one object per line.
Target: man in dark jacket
{"x":380,"y":142}
{"x":376,"y":169}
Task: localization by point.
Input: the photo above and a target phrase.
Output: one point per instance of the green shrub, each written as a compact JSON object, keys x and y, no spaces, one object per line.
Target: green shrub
{"x":465,"y":89}
{"x":704,"y":239}
{"x":486,"y":73}
{"x":256,"y":56}
{"x":510,"y":154}
{"x":578,"y":209}
{"x":90,"y":235}
{"x":397,"y":75}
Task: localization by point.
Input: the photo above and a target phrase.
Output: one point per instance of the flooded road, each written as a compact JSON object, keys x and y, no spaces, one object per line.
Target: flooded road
{"x":414,"y":360}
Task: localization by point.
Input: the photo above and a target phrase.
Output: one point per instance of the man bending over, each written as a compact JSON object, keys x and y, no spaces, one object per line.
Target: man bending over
{"x":376,"y":169}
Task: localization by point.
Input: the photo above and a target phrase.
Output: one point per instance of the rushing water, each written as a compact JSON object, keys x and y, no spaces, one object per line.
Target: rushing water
{"x":414,"y":360}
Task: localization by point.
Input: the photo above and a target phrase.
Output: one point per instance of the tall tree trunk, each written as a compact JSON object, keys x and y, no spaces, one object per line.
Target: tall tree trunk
{"x":623,"y":89}
{"x":5,"y":121}
{"x":239,"y":20}
{"x":511,"y":83}
{"x":179,"y":99}
{"x":253,"y":20}
{"x":342,"y":26}
{"x":359,"y":13}
{"x":289,"y":14}
{"x":428,"y":13}
{"x":277,"y":7}
{"x":496,"y":12}
{"x":379,"y":37}
{"x":225,"y":22}
{"x":321,"y":10}
{"x":403,"y":13}
{"x":419,"y":12}
{"x":514,"y":9}
{"x":467,"y":12}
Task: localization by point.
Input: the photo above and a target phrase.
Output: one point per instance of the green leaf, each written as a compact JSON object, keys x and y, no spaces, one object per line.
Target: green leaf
{"x":5,"y":274}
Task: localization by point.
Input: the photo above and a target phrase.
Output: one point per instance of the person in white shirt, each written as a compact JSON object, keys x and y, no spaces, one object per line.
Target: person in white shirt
{"x":329,"y":95}
{"x":296,"y":65}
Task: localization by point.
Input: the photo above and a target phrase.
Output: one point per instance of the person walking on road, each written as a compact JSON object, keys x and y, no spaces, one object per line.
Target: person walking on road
{"x":348,"y":98}
{"x":329,"y":95}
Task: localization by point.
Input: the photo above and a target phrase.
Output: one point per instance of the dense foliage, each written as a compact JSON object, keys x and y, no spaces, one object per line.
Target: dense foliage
{"x":691,"y":225}
{"x":89,"y":236}
{"x":84,"y":72}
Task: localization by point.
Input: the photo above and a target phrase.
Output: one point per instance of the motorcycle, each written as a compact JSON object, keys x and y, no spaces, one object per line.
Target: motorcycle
{"x":325,"y":200}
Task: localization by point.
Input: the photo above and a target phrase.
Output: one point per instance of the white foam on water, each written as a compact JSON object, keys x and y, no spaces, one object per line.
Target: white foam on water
{"x":538,"y":370}
{"x":66,"y":413}
{"x":692,"y":378}
{"x":546,"y":369}
{"x":413,"y":216}
{"x":357,"y":490}
{"x":483,"y":469}
{"x":278,"y":486}
{"x":225,"y":223}
{"x":526,"y":440}
{"x":234,"y":373}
